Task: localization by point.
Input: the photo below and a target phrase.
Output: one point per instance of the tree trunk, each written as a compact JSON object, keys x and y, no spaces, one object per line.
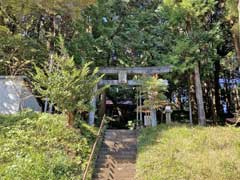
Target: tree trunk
{"x":190,"y":90}
{"x":206,"y":92}
{"x":209,"y":97}
{"x":193,"y":99}
{"x":214,"y":108}
{"x":236,"y":45}
{"x":236,"y":98}
{"x":236,"y":36}
{"x":70,"y":118}
{"x":239,"y":12}
{"x":226,"y":95}
{"x":217,"y":87}
{"x":199,"y":97}
{"x":239,"y":20}
{"x":229,"y":94}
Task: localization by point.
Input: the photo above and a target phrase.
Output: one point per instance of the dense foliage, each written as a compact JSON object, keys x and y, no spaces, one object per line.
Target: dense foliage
{"x":120,"y":33}
{"x":153,"y":90}
{"x":181,"y":152}
{"x":29,"y":30}
{"x":199,"y":38}
{"x":39,"y":146}
{"x":71,"y":89}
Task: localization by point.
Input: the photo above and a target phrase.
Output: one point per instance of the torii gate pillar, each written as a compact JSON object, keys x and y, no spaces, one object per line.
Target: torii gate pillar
{"x":92,"y":113}
{"x":91,"y":116}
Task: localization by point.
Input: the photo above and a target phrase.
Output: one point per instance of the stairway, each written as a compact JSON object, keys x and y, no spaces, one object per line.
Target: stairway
{"x":117,"y":157}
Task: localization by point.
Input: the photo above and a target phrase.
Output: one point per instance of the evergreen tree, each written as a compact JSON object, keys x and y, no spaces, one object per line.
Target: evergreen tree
{"x":195,"y":40}
{"x":119,"y":33}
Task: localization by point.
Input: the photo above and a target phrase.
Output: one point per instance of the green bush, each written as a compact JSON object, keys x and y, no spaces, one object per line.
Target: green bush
{"x":180,"y":152}
{"x":39,"y":146}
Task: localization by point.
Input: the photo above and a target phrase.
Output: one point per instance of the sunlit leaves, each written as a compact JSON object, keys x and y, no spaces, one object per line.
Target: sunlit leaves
{"x":68,"y":87}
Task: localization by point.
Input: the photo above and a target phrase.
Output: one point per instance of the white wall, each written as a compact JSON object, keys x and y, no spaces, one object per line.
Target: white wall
{"x":14,"y":94}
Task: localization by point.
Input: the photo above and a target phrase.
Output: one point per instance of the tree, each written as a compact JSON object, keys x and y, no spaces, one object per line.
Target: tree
{"x":194,"y":40}
{"x":69,"y":88}
{"x":149,"y":33}
{"x":153,"y":90}
{"x":17,"y":54}
{"x":119,"y":33}
{"x":29,"y":30}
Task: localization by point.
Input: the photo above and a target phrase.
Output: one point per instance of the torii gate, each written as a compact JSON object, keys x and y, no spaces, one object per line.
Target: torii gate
{"x":122,"y":79}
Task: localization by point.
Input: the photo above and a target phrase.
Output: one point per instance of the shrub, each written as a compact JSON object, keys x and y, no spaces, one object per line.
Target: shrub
{"x":39,"y":146}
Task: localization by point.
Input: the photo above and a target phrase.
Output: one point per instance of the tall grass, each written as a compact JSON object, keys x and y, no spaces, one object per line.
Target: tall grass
{"x":179,"y":152}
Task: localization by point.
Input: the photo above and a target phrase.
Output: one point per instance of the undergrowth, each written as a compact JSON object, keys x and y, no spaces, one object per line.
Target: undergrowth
{"x":40,"y":146}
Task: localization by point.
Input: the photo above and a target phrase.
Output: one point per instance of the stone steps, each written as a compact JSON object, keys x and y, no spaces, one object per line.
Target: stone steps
{"x":127,"y":139}
{"x":118,"y":170}
{"x":117,"y":156}
{"x":113,"y":176}
{"x":106,"y":164}
{"x":116,"y":153}
{"x":124,"y":165}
